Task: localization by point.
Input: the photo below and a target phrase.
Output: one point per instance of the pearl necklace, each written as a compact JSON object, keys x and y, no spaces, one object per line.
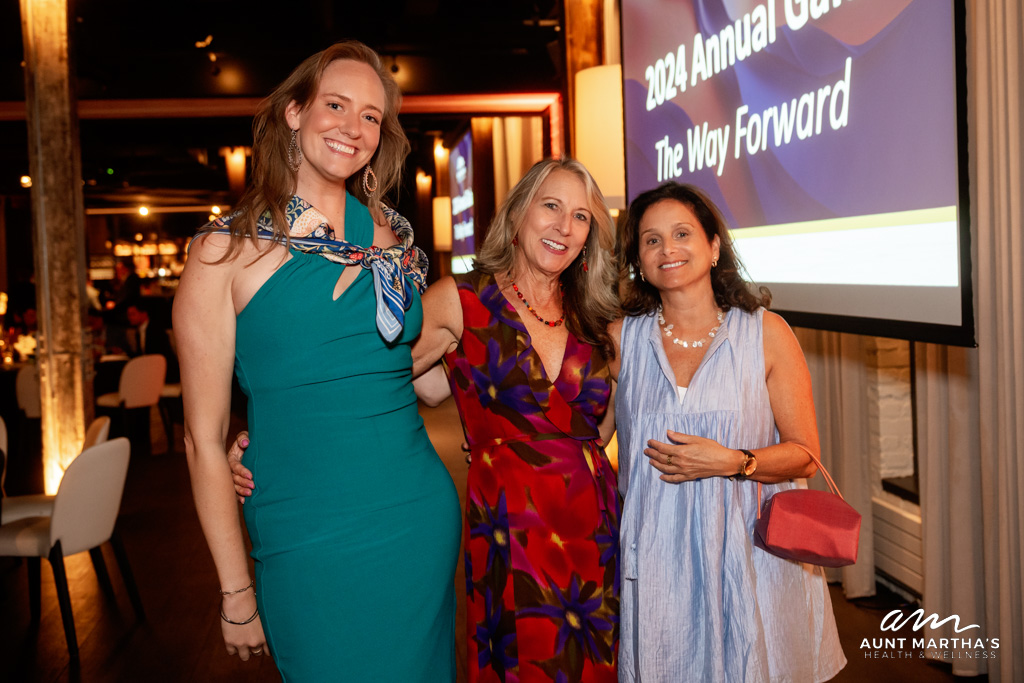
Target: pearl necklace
{"x":526,"y":303}
{"x":693,"y":344}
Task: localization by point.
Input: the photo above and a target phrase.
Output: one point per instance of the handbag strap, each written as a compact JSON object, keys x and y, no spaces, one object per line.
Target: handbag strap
{"x":828,"y":479}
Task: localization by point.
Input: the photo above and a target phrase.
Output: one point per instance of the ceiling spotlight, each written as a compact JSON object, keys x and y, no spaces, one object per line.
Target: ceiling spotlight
{"x":26,"y":181}
{"x":143,"y":211}
{"x":215,"y":209}
{"x":138,"y":237}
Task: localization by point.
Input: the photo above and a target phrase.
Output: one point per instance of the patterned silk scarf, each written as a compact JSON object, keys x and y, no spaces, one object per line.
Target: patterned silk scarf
{"x":310,"y":232}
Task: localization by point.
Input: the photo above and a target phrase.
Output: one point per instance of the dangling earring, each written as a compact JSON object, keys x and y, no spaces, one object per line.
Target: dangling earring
{"x":642,"y":276}
{"x":294,"y":152}
{"x":367,"y":174}
{"x":586,"y":268}
{"x":714,"y":263}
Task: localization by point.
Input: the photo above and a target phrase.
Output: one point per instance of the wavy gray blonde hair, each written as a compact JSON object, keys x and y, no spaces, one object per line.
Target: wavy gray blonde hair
{"x":590,"y":302}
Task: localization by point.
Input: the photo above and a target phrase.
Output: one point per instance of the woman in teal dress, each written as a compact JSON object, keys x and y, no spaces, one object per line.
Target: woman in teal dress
{"x":355,"y":522}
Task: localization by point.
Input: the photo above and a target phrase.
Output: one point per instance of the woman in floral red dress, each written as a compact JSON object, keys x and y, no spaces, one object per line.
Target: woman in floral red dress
{"x":525,"y":343}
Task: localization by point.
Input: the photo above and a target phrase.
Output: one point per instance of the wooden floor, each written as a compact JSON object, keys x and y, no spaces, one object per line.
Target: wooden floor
{"x":180,"y":639}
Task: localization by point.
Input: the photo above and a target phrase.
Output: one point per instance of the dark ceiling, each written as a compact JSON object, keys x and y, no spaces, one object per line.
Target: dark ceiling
{"x":135,"y":50}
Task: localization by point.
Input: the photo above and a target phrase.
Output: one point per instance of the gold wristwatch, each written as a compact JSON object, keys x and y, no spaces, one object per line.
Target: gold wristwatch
{"x":749,"y":464}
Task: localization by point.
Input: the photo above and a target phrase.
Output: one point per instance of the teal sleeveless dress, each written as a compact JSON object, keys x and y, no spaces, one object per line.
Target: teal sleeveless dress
{"x":354,"y":521}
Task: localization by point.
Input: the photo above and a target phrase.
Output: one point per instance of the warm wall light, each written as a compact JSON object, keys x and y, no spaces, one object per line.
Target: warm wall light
{"x":234,"y":161}
{"x":26,"y":181}
{"x":422,"y":181}
{"x":599,"y":136}
{"x":442,"y":223}
{"x":215,"y":209}
{"x":143,"y":211}
{"x":439,"y":151}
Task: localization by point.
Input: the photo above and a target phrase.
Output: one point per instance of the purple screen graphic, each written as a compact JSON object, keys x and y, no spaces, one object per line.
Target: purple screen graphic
{"x":460,"y":174}
{"x":851,"y":113}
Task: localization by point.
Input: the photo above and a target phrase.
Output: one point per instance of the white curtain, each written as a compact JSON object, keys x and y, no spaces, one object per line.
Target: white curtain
{"x":518,"y":145}
{"x":971,"y":402}
{"x":839,"y":369}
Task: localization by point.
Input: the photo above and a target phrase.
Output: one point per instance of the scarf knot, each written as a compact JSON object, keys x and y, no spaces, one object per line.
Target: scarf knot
{"x":309,"y":232}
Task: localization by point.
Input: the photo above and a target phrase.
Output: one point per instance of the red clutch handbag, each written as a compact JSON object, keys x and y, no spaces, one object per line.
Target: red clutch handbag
{"x":816,"y":527}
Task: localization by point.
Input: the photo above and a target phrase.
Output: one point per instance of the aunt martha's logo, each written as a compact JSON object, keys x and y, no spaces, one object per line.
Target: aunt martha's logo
{"x":967,"y":646}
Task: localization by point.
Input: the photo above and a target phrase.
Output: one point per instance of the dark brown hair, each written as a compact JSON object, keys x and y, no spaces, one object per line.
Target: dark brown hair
{"x":640,"y":297}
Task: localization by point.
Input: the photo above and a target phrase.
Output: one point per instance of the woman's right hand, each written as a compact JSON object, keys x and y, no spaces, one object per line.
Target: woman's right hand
{"x":242,"y":639}
{"x":240,"y":475}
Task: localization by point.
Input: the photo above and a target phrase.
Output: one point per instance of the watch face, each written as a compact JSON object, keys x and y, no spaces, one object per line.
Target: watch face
{"x":749,"y":466}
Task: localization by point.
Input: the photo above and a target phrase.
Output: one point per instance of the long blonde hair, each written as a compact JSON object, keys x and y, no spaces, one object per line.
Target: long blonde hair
{"x":273,"y":180}
{"x":590,"y":302}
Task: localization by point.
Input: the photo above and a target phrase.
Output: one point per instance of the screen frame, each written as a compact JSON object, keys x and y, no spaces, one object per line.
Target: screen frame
{"x":963,"y":334}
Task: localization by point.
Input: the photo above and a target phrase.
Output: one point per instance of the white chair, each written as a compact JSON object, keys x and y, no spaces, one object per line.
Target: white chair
{"x":84,"y":514}
{"x":97,"y":433}
{"x":13,"y":508}
{"x":142,"y":380}
{"x":27,"y":390}
{"x":3,"y":457}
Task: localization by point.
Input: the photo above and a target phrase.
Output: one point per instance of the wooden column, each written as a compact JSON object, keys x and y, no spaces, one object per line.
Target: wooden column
{"x":483,"y":177}
{"x":584,"y":39}
{"x":4,"y":282}
{"x":58,"y":219}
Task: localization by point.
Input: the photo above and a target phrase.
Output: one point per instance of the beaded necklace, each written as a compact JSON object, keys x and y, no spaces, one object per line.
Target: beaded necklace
{"x":561,"y":294}
{"x":685,"y":344}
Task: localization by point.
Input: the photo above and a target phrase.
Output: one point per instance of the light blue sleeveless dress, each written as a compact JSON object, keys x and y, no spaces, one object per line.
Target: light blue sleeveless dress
{"x":699,"y":601}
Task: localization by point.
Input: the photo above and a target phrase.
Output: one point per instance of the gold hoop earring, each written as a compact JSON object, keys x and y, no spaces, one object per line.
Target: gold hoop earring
{"x":714,"y":263}
{"x":367,"y":174}
{"x":294,"y":152}
{"x":642,"y":276}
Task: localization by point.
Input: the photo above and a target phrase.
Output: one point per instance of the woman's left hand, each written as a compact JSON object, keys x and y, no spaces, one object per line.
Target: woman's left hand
{"x":240,"y":474}
{"x":691,"y":457}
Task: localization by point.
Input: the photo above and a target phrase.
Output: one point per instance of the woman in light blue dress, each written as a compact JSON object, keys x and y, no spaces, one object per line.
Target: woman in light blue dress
{"x":713,"y":397}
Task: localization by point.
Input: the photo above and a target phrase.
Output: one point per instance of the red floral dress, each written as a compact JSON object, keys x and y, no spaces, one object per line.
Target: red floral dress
{"x":542,"y":512}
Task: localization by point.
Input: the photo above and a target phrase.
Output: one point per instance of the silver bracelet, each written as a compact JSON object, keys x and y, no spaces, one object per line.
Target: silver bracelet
{"x":239,"y":623}
{"x":252,"y":583}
